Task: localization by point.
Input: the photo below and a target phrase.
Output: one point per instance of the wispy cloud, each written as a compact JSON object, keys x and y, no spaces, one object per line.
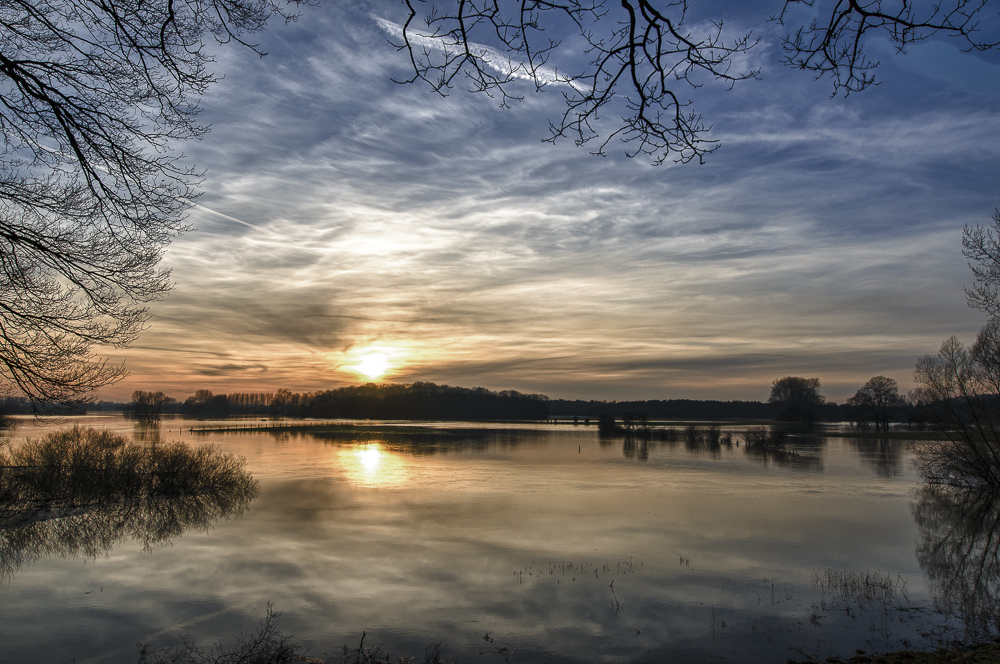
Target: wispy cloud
{"x":496,"y":60}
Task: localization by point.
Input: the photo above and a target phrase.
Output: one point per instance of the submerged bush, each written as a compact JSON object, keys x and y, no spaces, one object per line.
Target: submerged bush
{"x":79,"y":492}
{"x":757,"y":437}
{"x":81,"y":466}
{"x":761,"y":436}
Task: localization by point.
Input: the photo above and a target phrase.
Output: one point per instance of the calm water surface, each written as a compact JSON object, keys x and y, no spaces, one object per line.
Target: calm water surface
{"x":529,"y":544}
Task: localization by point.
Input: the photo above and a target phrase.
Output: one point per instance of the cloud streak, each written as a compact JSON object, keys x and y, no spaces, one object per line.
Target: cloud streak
{"x":499,"y":62}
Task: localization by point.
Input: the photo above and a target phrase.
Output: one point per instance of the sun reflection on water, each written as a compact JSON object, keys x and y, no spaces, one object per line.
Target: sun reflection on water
{"x":371,"y":465}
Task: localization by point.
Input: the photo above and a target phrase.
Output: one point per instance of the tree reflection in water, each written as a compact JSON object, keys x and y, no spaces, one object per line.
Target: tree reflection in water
{"x":884,"y":455}
{"x":783,"y":458}
{"x":958,"y":550}
{"x":79,"y":492}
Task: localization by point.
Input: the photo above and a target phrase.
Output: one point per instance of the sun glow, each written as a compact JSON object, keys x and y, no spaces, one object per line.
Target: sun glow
{"x":374,"y":365}
{"x":374,"y":362}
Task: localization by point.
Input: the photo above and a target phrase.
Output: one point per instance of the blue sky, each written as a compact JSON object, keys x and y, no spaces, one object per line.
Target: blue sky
{"x":347,"y":219}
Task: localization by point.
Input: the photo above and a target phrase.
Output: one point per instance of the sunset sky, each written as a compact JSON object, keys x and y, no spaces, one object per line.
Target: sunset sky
{"x":351,"y":225}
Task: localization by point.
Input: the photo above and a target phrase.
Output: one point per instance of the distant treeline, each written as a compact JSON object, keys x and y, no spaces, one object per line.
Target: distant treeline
{"x":429,"y":401}
{"x":390,"y":401}
{"x":693,"y":409}
{"x":659,"y":409}
{"x":15,"y":405}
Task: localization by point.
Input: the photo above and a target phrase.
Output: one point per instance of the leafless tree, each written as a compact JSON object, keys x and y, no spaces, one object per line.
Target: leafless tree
{"x":94,"y":97}
{"x":981,"y":245}
{"x":638,"y":50}
{"x":876,"y":402}
{"x":959,"y":389}
{"x":147,"y":406}
{"x":834,"y":44}
{"x":642,"y":54}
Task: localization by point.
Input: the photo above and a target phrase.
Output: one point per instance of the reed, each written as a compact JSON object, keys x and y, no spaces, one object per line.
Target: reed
{"x":868,"y":586}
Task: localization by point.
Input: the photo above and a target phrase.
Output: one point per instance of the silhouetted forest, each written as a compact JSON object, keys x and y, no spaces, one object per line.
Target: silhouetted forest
{"x":17,"y":405}
{"x":388,"y":401}
{"x":429,"y":401}
{"x":693,"y":409}
{"x":659,"y":409}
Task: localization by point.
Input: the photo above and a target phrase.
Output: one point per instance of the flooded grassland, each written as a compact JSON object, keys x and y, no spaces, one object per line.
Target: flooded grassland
{"x":528,"y":543}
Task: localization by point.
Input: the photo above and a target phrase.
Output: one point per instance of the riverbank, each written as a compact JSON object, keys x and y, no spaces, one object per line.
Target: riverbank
{"x":986,"y":653}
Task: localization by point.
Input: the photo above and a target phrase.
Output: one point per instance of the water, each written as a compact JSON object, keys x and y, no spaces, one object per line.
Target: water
{"x":527,"y":544}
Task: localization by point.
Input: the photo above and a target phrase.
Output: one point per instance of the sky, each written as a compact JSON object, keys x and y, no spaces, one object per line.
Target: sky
{"x":352,"y":229}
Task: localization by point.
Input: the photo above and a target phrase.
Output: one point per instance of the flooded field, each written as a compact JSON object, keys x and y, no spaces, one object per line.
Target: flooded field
{"x":537,"y":543}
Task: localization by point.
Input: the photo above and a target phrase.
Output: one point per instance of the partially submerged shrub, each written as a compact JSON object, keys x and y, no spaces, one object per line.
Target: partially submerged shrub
{"x":433,"y":654}
{"x":80,"y":492}
{"x":761,"y":436}
{"x":757,"y":437}
{"x":82,"y":466}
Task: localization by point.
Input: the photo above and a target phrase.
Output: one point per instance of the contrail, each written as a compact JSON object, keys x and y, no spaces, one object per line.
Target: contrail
{"x":490,"y":56}
{"x":193,"y":204}
{"x":292,"y":243}
{"x":240,"y":221}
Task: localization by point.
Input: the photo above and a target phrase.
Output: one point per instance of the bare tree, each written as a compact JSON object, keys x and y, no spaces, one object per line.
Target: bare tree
{"x":876,"y":402}
{"x":960,"y":387}
{"x":147,"y":406}
{"x":981,"y":245}
{"x":642,"y":53}
{"x":796,"y":399}
{"x":94,"y":96}
{"x":834,"y":44}
{"x":960,"y":391}
{"x":638,"y":50}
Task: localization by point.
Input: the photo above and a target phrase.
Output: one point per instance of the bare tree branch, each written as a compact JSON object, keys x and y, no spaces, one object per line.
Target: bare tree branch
{"x":643,"y":62}
{"x":834,"y":45}
{"x":94,"y":97}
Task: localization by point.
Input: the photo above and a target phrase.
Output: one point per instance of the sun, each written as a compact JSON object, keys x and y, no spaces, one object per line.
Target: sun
{"x":373,"y":364}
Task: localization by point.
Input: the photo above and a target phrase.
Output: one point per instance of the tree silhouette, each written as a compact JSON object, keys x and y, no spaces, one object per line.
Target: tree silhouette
{"x":94,"y":97}
{"x":795,"y":399}
{"x":643,"y":54}
{"x":958,"y":391}
{"x":876,"y":402}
